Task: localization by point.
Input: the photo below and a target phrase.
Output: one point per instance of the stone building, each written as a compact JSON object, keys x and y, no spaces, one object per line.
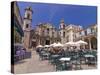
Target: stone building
{"x":76,"y":32}
{"x":90,"y":36}
{"x":27,"y":23}
{"x":68,"y":32}
{"x":47,"y":34}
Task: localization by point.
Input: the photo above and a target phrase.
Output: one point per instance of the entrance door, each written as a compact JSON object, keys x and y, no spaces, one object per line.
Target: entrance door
{"x":47,"y":42}
{"x":33,"y":44}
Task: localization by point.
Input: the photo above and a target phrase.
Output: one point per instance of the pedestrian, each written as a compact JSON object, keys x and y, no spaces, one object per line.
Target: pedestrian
{"x":18,"y":53}
{"x":22,"y":53}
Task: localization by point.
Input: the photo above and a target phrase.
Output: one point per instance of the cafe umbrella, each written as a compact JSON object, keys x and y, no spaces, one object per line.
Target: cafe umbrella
{"x":58,"y":45}
{"x":81,"y":43}
{"x":39,"y":46}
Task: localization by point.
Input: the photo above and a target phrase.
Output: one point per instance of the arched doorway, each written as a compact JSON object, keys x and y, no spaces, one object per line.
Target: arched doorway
{"x":94,"y":43}
{"x":47,"y":42}
{"x":34,"y":43}
{"x":86,"y":46}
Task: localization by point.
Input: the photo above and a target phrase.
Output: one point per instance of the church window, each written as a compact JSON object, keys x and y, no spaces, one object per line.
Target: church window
{"x":52,"y":33}
{"x":63,"y":34}
{"x":47,"y":30}
{"x":26,"y":25}
{"x":28,"y":16}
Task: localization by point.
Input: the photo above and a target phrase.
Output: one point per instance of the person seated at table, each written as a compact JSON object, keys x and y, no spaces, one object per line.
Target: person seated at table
{"x":23,"y":50}
{"x":39,"y":49}
{"x":61,"y":52}
{"x":51,"y":51}
{"x":18,"y":53}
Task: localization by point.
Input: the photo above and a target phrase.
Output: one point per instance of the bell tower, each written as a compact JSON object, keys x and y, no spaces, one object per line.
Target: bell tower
{"x":27,"y":27}
{"x":62,"y":31}
{"x":62,"y":24}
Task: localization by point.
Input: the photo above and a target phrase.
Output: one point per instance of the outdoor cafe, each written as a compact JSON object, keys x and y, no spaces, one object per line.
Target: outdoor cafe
{"x":67,"y":56}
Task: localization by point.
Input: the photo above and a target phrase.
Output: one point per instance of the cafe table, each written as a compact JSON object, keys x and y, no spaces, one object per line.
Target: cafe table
{"x":88,"y":55}
{"x":66,"y":61}
{"x":54,"y":58}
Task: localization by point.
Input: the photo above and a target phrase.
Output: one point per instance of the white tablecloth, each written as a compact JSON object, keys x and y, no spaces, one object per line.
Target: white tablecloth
{"x":64,"y":59}
{"x":89,"y":56}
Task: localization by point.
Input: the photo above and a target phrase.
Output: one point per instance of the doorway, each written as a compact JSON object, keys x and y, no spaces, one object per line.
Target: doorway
{"x":47,"y":42}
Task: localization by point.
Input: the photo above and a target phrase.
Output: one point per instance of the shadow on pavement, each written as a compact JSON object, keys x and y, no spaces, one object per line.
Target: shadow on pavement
{"x":20,"y":62}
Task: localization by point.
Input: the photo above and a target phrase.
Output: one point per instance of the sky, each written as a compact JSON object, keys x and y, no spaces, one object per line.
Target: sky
{"x":53,"y":13}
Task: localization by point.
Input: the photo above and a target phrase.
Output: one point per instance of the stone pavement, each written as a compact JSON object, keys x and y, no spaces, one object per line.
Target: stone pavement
{"x":33,"y":65}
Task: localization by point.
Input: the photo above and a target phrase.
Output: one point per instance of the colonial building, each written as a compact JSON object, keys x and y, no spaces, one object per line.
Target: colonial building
{"x":76,"y":32}
{"x":68,"y":32}
{"x":90,"y":36}
{"x":47,"y":34}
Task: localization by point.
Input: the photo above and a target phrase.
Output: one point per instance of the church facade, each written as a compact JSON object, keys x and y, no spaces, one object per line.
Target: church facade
{"x":47,"y":33}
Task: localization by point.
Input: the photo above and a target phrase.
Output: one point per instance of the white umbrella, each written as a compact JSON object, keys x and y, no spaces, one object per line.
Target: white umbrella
{"x":53,"y":44}
{"x":71,"y":43}
{"x":80,"y":42}
{"x":58,"y":45}
{"x":39,"y":46}
{"x":46,"y":46}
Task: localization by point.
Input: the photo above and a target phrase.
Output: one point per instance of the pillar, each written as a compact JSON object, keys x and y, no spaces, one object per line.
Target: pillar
{"x":90,"y":44}
{"x":83,"y":45}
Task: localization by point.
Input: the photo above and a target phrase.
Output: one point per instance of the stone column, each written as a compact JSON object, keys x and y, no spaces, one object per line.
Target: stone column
{"x":90,"y":44}
{"x":83,"y":45}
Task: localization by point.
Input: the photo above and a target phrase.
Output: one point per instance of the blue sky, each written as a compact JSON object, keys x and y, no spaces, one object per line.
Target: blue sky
{"x":53,"y":13}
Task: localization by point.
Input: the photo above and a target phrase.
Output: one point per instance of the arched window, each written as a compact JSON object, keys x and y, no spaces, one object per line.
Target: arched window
{"x":26,"y":25}
{"x":63,"y":34}
{"x":28,"y":15}
{"x":47,"y":30}
{"x":52,"y":33}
